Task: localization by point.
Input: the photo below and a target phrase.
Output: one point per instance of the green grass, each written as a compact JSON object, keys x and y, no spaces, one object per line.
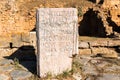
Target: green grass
{"x":65,"y":75}
{"x":16,"y":63}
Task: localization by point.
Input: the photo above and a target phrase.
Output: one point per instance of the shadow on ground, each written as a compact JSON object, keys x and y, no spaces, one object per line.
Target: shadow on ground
{"x":26,"y":57}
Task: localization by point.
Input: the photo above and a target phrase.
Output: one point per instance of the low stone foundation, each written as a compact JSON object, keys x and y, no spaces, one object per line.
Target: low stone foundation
{"x":106,"y":48}
{"x":20,"y":46}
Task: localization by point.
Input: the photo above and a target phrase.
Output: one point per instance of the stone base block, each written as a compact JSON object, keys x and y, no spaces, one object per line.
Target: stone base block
{"x":105,"y":52}
{"x":84,"y":51}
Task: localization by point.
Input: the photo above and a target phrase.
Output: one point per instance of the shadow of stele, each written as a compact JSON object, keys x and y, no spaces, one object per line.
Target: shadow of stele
{"x":26,"y":57}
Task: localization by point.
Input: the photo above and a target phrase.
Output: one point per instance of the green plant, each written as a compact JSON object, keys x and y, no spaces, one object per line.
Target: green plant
{"x":66,"y":74}
{"x":16,"y":63}
{"x":49,"y":75}
{"x":34,"y":77}
{"x":77,"y":66}
{"x":80,"y":13}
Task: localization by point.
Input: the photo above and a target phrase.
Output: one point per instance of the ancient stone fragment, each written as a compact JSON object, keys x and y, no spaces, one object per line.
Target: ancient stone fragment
{"x":56,"y":39}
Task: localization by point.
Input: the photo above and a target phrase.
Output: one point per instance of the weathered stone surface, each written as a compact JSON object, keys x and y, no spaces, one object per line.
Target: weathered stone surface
{"x":77,"y":76}
{"x":102,"y":64}
{"x":89,"y":69}
{"x":109,"y":76}
{"x":4,"y":44}
{"x":25,"y":37}
{"x":114,"y":12}
{"x":19,"y":74}
{"x":98,"y":68}
{"x":83,"y":45}
{"x":114,"y":9}
{"x":6,"y":62}
{"x":83,"y":60}
{"x":112,"y":54}
{"x":5,"y":52}
{"x":33,"y":39}
{"x":101,"y":50}
{"x":5,"y":41}
{"x":14,"y":19}
{"x":4,"y":77}
{"x":84,"y":51}
{"x":94,"y":61}
{"x":112,"y":68}
{"x":6,"y":68}
{"x":98,"y":43}
{"x":110,"y":3}
{"x":56,"y":39}
{"x":16,"y":40}
{"x":114,"y":43}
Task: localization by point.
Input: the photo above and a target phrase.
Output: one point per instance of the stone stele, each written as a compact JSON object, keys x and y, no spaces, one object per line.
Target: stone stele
{"x":57,"y":41}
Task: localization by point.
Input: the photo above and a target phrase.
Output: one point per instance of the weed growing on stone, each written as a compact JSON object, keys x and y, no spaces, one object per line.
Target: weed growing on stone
{"x":65,"y":75}
{"x":80,"y":13}
{"x":34,"y":77}
{"x":49,"y":75}
{"x":16,"y":63}
{"x":77,"y":66}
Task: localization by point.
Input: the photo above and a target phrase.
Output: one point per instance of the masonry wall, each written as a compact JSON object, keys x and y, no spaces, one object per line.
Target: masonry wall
{"x":18,"y":21}
{"x":103,"y":48}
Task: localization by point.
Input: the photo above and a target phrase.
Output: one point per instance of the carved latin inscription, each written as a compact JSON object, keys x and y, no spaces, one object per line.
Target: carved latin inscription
{"x":57,"y":37}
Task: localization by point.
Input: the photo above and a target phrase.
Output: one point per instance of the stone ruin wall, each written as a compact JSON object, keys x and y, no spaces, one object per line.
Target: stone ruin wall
{"x":18,"y":19}
{"x":18,"y":16}
{"x":17,"y":24}
{"x":114,"y":7}
{"x":100,"y":48}
{"x":102,"y":14}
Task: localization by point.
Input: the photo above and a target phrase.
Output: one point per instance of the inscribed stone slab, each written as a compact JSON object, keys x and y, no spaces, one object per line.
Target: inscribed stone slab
{"x":56,"y":39}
